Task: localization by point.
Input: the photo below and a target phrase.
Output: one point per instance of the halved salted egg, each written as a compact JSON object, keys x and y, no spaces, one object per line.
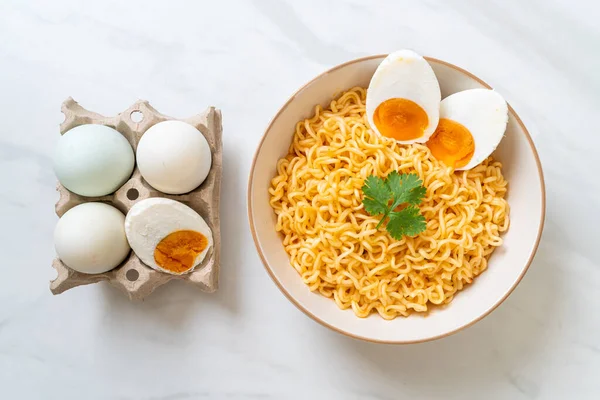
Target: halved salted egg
{"x":471,"y":125}
{"x":403,"y":98}
{"x":167,"y":235}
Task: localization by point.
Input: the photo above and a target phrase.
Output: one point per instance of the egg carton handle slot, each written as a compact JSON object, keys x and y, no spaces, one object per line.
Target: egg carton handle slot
{"x":133,"y":277}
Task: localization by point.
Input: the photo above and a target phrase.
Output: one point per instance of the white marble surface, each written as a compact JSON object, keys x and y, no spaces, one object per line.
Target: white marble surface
{"x":247,"y":340}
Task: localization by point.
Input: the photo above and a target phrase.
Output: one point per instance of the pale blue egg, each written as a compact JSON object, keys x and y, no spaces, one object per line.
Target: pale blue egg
{"x":93,"y":160}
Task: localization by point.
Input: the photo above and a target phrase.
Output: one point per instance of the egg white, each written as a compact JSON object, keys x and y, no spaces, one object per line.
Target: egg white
{"x":405,"y":74}
{"x":151,"y":220}
{"x":484,"y":113}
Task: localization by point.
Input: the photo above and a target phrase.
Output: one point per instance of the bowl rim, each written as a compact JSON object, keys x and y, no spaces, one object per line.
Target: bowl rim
{"x":350,"y":334}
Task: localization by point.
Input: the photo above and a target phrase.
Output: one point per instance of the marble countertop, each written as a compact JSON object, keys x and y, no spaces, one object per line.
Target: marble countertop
{"x":247,"y":341}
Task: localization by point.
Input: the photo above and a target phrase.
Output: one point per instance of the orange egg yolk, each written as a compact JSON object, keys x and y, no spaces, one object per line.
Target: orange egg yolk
{"x":400,"y":119}
{"x":178,"y":251}
{"x":452,"y":143}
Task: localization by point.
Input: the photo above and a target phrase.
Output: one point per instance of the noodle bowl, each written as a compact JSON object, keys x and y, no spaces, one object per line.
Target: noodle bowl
{"x":333,"y":242}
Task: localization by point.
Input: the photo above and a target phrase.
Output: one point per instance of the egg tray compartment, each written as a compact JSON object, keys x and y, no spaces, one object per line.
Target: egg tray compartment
{"x":133,"y":277}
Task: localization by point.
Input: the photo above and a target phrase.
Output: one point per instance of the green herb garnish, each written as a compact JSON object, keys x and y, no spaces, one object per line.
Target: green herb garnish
{"x":385,"y":196}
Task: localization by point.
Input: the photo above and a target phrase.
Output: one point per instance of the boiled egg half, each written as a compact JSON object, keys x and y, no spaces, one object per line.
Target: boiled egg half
{"x":167,"y":235}
{"x":403,"y":98}
{"x":471,"y":125}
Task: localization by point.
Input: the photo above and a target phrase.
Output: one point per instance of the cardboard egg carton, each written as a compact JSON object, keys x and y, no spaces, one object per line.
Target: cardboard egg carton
{"x":133,"y":277}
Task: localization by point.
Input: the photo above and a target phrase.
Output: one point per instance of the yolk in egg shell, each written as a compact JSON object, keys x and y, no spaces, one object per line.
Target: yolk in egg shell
{"x":400,"y":119}
{"x":452,"y":143}
{"x":178,"y":251}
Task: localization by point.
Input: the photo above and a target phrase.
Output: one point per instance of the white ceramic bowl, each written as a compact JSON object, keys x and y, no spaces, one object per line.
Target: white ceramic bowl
{"x":507,"y":265}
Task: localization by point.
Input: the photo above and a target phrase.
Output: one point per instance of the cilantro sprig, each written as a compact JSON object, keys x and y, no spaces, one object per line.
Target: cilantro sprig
{"x":386,"y":195}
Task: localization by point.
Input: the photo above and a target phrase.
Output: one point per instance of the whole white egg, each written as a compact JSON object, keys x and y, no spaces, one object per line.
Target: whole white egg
{"x":472,"y":124}
{"x":403,"y":98}
{"x":90,"y":238}
{"x":93,"y":160}
{"x":168,"y":235}
{"x":174,"y":157}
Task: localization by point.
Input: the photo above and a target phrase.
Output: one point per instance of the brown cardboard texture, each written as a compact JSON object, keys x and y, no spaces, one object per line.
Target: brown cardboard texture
{"x":133,"y":277}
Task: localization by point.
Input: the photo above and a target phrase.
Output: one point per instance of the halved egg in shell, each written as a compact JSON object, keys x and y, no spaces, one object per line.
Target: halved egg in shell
{"x":471,"y":125}
{"x":167,"y":235}
{"x":403,"y":98}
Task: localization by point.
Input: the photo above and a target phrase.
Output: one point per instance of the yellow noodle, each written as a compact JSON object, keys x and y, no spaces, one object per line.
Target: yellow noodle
{"x":332,"y":241}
